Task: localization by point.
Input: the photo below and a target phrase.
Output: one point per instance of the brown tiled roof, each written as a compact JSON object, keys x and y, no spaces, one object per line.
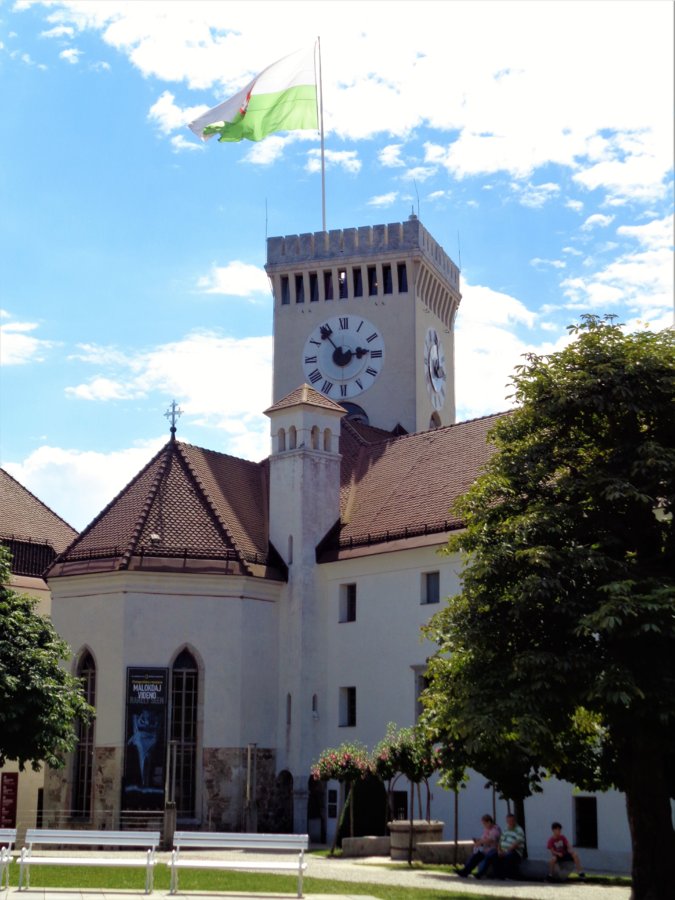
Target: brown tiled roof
{"x":25,"y":518}
{"x":188,"y":507}
{"x":405,"y":486}
{"x":305,"y":394}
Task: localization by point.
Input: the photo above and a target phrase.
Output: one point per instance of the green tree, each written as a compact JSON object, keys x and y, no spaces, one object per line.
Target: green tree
{"x":559,"y":652}
{"x":40,"y":702}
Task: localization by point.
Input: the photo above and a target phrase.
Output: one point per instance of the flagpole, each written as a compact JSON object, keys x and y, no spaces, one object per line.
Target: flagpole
{"x":323,"y":148}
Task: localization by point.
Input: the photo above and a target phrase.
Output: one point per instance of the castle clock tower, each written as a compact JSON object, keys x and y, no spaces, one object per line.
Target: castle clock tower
{"x":366,"y":317}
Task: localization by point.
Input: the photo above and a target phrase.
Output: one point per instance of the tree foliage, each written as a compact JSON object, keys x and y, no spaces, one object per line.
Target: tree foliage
{"x":40,"y":702}
{"x":559,"y":653}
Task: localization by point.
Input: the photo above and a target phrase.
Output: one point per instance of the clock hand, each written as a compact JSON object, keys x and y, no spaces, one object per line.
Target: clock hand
{"x":361,"y":351}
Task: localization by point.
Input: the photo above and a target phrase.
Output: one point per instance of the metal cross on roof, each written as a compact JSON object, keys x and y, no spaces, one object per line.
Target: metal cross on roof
{"x":172,"y":413}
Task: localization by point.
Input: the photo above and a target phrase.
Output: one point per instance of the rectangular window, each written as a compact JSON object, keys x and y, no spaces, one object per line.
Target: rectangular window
{"x":299,"y":289}
{"x":358,"y":281}
{"x":347,"y":603}
{"x":347,"y":707}
{"x":387,"y":283}
{"x":342,"y":282}
{"x":285,"y":291}
{"x":328,"y":285}
{"x":585,"y":822}
{"x":431,"y":587}
{"x":402,"y":272}
{"x":372,"y":281}
{"x":332,"y":803}
{"x":313,"y":287}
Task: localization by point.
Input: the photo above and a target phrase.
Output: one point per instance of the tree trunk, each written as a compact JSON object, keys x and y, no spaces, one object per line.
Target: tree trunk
{"x":519,"y":810}
{"x":649,"y":817}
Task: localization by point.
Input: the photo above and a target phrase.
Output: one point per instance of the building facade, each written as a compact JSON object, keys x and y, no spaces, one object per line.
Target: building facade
{"x":235,"y":618}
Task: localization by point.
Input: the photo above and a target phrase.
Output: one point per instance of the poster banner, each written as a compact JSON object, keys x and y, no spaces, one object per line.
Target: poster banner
{"x":145,"y":742}
{"x":9,"y":791}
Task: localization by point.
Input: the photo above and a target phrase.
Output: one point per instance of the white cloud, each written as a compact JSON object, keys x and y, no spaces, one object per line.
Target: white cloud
{"x":78,"y":484}
{"x":71,"y":55}
{"x":18,"y":346}
{"x":498,"y":97}
{"x":420,"y":173}
{"x":237,"y":279}
{"x":100,"y":66}
{"x":169,"y":117}
{"x":572,"y":251}
{"x":345,"y":159}
{"x":58,"y":31}
{"x":535,"y":195}
{"x":203,"y":371}
{"x":638,"y":282}
{"x":390,"y":156}
{"x":180,"y":143}
{"x":383,"y":200}
{"x":597,"y":220}
{"x":574,"y":205}
{"x":537,"y":262}
{"x":488,"y":348}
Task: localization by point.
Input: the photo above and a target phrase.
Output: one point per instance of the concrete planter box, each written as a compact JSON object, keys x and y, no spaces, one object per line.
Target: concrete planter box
{"x":369,"y":845}
{"x":442,"y":853}
{"x":423,"y":832}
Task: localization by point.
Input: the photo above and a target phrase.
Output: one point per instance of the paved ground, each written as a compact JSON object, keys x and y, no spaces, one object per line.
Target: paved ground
{"x":373,"y":870}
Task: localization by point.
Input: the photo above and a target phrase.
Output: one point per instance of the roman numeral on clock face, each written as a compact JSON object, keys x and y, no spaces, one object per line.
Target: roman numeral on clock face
{"x":371,"y":371}
{"x":344,"y":323}
{"x":371,"y":337}
{"x":374,"y":354}
{"x":326,"y":387}
{"x":343,"y":390}
{"x":315,"y":376}
{"x":312,"y":359}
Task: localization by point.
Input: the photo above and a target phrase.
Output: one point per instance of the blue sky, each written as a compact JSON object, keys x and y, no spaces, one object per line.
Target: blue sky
{"x":535,"y":139}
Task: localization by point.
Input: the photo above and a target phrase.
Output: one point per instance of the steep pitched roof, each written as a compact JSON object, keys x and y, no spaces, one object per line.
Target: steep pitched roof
{"x":27,"y":519}
{"x":188,"y":508}
{"x":404,"y":486}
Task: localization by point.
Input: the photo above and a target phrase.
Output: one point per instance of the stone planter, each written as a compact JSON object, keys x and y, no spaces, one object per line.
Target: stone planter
{"x":423,"y":831}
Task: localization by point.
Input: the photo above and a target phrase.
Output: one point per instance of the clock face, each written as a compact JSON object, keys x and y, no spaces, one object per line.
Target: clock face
{"x":434,"y":368}
{"x":343,"y":356}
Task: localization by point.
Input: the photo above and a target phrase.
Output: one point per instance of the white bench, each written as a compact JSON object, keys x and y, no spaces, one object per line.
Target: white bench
{"x":210,"y":840}
{"x":7,"y":841}
{"x":49,"y":837}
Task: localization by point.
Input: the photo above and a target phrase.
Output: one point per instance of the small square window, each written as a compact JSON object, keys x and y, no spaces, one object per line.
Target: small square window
{"x":347,"y":603}
{"x":347,"y":707}
{"x":431,"y":587}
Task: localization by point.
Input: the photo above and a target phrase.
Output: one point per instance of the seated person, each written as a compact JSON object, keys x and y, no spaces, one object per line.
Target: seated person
{"x":510,"y":850}
{"x":561,"y":851}
{"x":481,"y":846}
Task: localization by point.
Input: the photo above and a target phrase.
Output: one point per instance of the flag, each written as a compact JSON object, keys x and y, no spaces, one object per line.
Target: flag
{"x":281,"y":98}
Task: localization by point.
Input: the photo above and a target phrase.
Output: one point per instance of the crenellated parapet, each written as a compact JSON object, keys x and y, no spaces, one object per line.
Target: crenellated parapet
{"x":376,"y":241}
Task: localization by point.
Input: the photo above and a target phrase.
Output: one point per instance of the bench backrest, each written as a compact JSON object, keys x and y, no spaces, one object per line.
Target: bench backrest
{"x":218,"y":840}
{"x":146,"y":839}
{"x":7,"y":837}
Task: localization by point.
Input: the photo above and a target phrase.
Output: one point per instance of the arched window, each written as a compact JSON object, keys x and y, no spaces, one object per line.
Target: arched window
{"x":315,"y":437}
{"x":281,"y":440}
{"x":84,"y":755}
{"x":292,"y":438}
{"x":327,"y":439}
{"x":184,"y":695}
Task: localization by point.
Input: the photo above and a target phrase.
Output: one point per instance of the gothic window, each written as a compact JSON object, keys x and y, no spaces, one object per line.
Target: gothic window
{"x":327,"y":439}
{"x":84,"y":755}
{"x":184,"y":684}
{"x":292,"y":438}
{"x":314,"y":434}
{"x":281,"y":437}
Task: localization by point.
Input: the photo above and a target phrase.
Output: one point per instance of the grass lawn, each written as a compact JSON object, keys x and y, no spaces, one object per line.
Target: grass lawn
{"x":90,"y":877}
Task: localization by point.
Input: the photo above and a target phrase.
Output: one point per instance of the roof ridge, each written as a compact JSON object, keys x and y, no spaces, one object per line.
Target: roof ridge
{"x":211,"y":505}
{"x":243,"y":459}
{"x":145,"y":510}
{"x":37,"y":499}
{"x":109,"y":506}
{"x":433,"y":431}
